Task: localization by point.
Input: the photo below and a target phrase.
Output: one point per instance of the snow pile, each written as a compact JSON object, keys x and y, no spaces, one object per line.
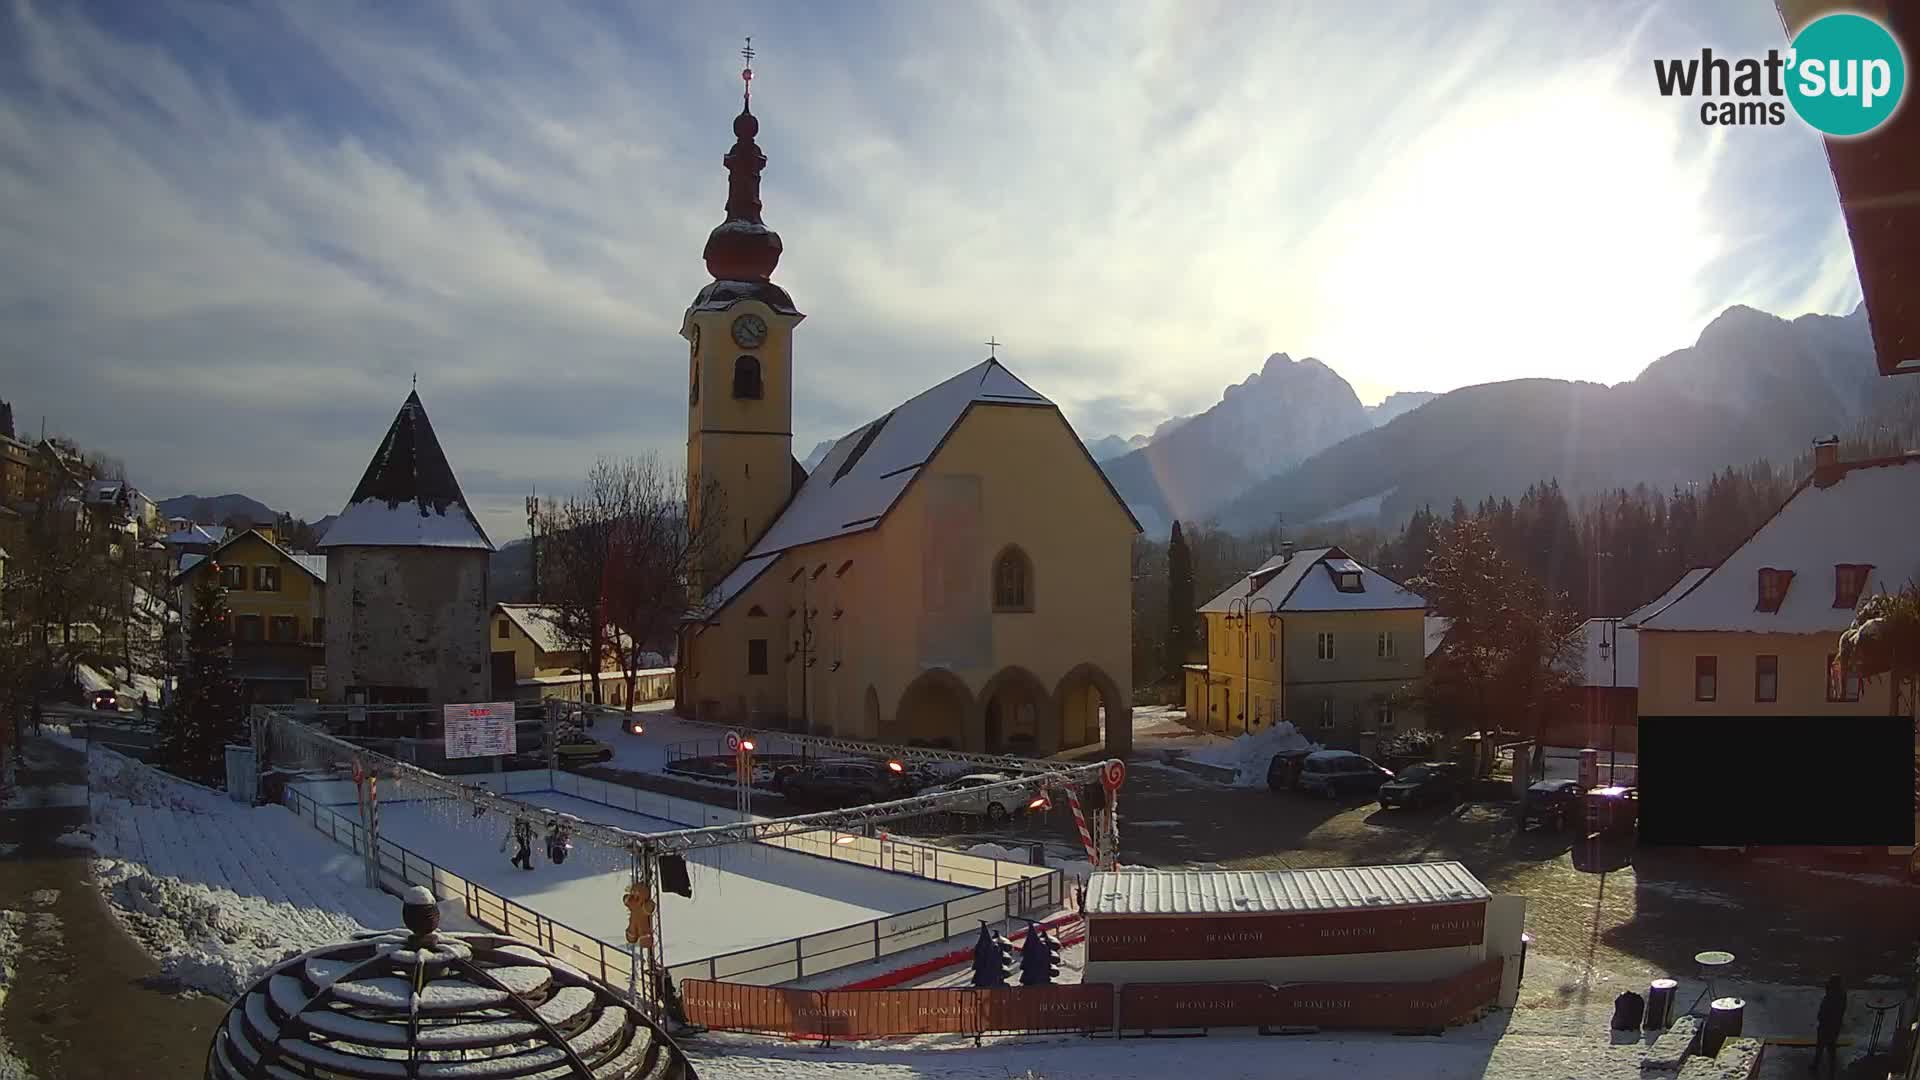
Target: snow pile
{"x":21,"y":931}
{"x":995,"y":851}
{"x":214,"y":890}
{"x":1250,"y":754}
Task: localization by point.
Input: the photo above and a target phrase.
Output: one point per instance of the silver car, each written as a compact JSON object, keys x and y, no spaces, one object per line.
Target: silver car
{"x":992,"y":805}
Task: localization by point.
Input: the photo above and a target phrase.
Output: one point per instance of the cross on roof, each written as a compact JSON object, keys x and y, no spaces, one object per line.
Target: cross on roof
{"x":746,"y":73}
{"x":991,"y":346}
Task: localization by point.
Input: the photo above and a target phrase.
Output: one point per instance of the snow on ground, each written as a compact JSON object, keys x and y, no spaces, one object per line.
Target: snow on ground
{"x":216,"y":890}
{"x":1250,"y":754}
{"x":23,"y":931}
{"x":744,"y":895}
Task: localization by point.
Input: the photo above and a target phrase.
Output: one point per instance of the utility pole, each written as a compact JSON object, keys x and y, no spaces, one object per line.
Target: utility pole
{"x":533,"y":540}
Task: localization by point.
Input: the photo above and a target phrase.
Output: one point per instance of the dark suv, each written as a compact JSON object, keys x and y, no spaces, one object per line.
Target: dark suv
{"x":1426,"y":784}
{"x":836,"y":784}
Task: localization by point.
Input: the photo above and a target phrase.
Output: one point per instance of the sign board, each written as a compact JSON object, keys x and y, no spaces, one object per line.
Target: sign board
{"x":733,"y":742}
{"x":483,"y":730}
{"x":317,"y":679}
{"x":1280,"y":934}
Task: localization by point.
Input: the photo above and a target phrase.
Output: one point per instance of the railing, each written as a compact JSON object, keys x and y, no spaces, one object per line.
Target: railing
{"x":1008,"y":891}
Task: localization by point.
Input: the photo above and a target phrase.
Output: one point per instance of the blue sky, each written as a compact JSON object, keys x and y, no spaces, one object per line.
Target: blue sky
{"x":234,"y":230}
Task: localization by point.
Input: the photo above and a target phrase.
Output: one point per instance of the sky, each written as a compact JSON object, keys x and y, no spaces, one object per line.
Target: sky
{"x":236,"y":231}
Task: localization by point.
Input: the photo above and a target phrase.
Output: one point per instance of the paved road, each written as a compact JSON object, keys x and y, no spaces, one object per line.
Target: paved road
{"x":79,"y":1007}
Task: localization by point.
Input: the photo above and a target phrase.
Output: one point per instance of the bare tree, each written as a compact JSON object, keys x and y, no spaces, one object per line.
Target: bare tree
{"x":619,"y":558}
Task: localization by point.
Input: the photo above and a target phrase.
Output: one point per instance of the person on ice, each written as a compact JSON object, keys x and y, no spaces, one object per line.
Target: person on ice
{"x":522,"y":839}
{"x":1826,"y":1038}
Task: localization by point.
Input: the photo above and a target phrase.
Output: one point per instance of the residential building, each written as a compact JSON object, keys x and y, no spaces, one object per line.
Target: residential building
{"x":1317,"y":640}
{"x":185,"y":538}
{"x":1757,"y":634}
{"x":16,"y":461}
{"x":276,"y":610}
{"x":953,"y":573}
{"x":407,"y":579}
{"x":532,"y":658}
{"x":1602,"y":712}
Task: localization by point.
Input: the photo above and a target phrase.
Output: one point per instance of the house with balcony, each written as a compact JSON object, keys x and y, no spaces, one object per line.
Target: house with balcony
{"x":533,"y":658}
{"x":276,"y":607}
{"x":1315,"y":639}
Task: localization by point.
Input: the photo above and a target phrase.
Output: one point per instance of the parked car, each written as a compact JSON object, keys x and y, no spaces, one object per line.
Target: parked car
{"x":995,"y":806}
{"x":1332,"y":774}
{"x":1283,"y":772}
{"x":830,"y":785}
{"x":575,"y":749}
{"x":1550,"y":804}
{"x":104,"y":701}
{"x":1426,"y":784}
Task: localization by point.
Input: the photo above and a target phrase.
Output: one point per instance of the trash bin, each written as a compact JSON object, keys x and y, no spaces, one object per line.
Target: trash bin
{"x":1724,"y":1021}
{"x":1660,"y":993}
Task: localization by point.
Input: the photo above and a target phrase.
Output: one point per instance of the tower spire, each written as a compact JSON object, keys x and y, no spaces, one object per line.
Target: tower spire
{"x":742,"y":248}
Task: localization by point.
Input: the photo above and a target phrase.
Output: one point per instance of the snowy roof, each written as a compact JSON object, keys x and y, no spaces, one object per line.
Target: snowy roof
{"x":103,"y":491}
{"x":541,"y":624}
{"x":409,"y":496}
{"x":1289,"y":583}
{"x":1868,"y":516}
{"x":198,"y":534}
{"x":188,"y":562}
{"x":1620,"y":664}
{"x":1437,"y":628}
{"x":1679,"y":589}
{"x":315,"y":565}
{"x":1209,"y":892}
{"x":743,"y":575}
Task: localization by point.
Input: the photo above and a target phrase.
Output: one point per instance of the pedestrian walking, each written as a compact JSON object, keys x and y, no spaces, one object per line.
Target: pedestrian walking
{"x":523,"y":844}
{"x":38,"y":717}
{"x":1826,"y":1038}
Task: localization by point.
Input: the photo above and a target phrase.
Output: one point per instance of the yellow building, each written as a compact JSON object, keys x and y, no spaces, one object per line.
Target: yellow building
{"x":1756,"y":635}
{"x":954,"y":573}
{"x":1314,"y":639}
{"x":532,"y":658}
{"x":276,"y":606}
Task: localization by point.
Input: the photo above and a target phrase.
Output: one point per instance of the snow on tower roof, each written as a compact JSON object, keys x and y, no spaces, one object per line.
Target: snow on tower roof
{"x":409,"y":496}
{"x":1868,"y":515}
{"x":1288,"y":583}
{"x":1254,"y":892}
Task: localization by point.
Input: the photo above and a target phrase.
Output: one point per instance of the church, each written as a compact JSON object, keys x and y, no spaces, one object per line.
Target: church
{"x":955,"y":573}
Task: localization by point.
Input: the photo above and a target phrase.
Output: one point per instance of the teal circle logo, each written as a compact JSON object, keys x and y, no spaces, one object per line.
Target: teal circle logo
{"x":1847,"y":74}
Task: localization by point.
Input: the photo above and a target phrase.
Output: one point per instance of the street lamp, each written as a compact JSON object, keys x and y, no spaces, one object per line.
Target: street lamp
{"x":1241,"y":610}
{"x":1610,"y":654}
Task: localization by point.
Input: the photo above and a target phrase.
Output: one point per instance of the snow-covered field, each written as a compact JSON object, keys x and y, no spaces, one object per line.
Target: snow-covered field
{"x":215,"y":890}
{"x":743,"y":895}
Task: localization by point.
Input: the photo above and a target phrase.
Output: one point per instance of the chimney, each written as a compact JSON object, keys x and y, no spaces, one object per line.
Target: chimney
{"x":1826,"y":461}
{"x":1286,"y":549}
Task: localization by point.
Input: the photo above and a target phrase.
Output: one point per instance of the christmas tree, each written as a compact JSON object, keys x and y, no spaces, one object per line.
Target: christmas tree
{"x":991,"y":955}
{"x":207,"y":713}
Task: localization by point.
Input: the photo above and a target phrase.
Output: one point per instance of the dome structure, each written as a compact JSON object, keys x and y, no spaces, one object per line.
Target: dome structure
{"x":420,"y":1004}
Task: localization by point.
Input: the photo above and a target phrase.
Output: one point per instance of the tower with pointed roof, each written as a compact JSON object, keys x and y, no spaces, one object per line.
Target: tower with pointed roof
{"x":739,"y":330}
{"x":407,"y":566}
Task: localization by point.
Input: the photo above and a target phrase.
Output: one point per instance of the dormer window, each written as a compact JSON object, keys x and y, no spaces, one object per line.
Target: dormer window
{"x":1773,"y":588}
{"x":1346,"y":575}
{"x":1349,"y":583}
{"x":1849,"y":581}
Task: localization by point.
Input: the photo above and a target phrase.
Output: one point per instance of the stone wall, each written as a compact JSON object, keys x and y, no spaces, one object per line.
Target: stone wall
{"x":408,"y":617}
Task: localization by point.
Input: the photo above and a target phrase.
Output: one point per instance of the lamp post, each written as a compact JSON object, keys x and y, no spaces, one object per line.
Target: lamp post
{"x":803,"y":646}
{"x":1610,"y":654}
{"x":1241,"y":609}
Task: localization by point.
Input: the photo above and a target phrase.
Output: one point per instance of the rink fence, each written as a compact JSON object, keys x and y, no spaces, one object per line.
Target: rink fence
{"x":1007,"y":891}
{"x":1130,"y":1009}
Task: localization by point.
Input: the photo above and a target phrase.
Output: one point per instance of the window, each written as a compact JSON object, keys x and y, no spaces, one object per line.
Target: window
{"x":234,"y":577}
{"x":1773,"y":588}
{"x":1384,"y":647}
{"x":319,"y":628}
{"x":1348,"y":582}
{"x":1326,"y":713}
{"x":266,"y":579}
{"x":1012,"y":581}
{"x":1766,"y":678}
{"x":1849,"y":581}
{"x":1323,"y":645}
{"x":1383,"y":715}
{"x":500,"y":631}
{"x":283,"y":628}
{"x":1706,"y":678}
{"x":246,"y":628}
{"x":1256,"y":710}
{"x":1273,"y":645}
{"x":757,"y":656}
{"x":746,"y":378}
{"x":1256,"y":647}
{"x":1841,"y":686}
{"x":693,"y":391}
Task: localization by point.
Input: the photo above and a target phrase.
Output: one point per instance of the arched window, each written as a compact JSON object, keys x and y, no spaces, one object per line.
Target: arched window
{"x":746,"y":378}
{"x":1012,"y":581}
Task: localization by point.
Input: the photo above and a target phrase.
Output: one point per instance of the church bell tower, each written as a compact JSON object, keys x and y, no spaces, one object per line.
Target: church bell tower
{"x":740,"y":466}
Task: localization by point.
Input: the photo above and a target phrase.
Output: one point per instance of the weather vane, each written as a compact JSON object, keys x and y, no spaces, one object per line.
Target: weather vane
{"x":746,"y":73}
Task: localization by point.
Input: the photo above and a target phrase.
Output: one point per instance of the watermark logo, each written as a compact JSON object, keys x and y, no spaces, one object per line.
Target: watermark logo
{"x":1844,"y":75}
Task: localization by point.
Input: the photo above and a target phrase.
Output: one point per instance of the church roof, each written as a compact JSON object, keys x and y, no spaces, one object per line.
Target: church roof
{"x":862,"y":478}
{"x":409,"y":496}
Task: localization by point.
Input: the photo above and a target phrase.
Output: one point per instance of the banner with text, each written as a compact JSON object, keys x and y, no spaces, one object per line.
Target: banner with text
{"x":484,"y":730}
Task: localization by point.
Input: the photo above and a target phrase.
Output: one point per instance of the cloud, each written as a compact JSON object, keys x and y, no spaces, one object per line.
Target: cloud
{"x":236,"y":231}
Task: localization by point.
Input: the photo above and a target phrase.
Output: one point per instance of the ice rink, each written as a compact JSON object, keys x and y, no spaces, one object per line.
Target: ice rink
{"x":744,"y":895}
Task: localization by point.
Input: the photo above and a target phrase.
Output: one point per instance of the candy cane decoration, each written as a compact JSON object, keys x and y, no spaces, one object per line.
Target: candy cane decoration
{"x":1080,"y":823}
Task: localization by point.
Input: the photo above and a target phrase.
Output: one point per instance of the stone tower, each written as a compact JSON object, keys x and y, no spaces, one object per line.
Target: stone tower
{"x":407,"y":570}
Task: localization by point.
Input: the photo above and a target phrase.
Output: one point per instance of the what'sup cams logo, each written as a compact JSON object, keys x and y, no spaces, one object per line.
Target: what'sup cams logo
{"x":1844,"y":74}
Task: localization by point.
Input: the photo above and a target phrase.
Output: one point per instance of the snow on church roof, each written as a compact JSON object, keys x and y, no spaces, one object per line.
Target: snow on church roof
{"x":409,"y":496}
{"x":866,"y":471}
{"x":1289,"y":584}
{"x":1870,"y":516}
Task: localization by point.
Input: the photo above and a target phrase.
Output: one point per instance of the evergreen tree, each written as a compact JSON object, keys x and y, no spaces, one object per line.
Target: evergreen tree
{"x":1180,"y":601}
{"x":207,"y":713}
{"x":990,"y":956}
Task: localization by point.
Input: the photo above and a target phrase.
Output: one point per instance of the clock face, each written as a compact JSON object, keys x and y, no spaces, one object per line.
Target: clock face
{"x":749,"y":331}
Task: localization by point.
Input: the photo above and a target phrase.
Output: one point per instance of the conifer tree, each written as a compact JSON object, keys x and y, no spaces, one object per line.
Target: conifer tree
{"x":1180,"y":602}
{"x":207,"y":713}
